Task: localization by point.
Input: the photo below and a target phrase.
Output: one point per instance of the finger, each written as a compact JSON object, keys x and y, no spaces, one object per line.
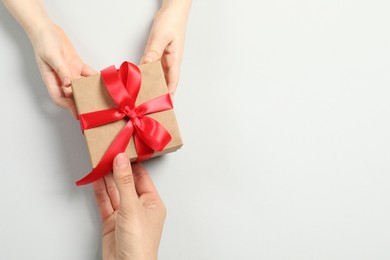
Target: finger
{"x":112,"y":191}
{"x":67,"y":103}
{"x":146,"y":189}
{"x":88,"y":71}
{"x":143,"y":182}
{"x":62,"y":69}
{"x":124,"y":180}
{"x":155,"y":48}
{"x":171,"y":64}
{"x":51,"y":79}
{"x":73,"y":111}
{"x":52,"y":83}
{"x":102,"y":199}
{"x":172,"y":77}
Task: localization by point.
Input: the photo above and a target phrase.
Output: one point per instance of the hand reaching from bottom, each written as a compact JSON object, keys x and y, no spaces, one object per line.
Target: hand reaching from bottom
{"x":132,"y":212}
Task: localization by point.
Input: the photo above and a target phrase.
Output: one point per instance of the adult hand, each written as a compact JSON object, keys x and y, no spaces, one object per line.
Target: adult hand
{"x":131,"y":210}
{"x":166,"y":39}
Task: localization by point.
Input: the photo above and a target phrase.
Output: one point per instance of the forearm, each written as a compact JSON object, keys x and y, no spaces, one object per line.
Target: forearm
{"x":183,"y":5}
{"x":30,"y":14}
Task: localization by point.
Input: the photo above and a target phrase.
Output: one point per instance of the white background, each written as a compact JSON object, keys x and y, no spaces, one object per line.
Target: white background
{"x":284,"y":110}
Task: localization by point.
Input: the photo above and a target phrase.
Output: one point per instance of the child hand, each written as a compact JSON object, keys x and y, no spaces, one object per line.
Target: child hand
{"x":58,"y":63}
{"x":166,"y":39}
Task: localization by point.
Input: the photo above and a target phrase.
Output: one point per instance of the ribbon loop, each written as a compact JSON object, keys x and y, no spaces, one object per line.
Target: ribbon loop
{"x":149,"y":135}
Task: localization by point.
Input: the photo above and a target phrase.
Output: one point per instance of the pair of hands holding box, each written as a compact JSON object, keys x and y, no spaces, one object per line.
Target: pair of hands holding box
{"x":132,"y":212}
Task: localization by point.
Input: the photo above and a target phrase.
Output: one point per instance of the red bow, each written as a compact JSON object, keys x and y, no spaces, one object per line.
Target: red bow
{"x":149,"y":135}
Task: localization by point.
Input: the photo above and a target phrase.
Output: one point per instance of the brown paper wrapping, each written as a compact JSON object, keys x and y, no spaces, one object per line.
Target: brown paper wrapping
{"x":90,"y":94}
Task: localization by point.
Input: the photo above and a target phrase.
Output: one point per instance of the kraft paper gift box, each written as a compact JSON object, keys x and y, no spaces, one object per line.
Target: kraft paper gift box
{"x":90,"y":94}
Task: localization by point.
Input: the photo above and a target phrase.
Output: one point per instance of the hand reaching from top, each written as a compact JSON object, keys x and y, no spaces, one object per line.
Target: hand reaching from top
{"x":166,"y":39}
{"x":56,"y":57}
{"x":58,"y":63}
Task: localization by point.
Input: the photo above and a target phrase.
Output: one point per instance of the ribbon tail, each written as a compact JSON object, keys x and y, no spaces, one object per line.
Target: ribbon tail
{"x":152,"y":133}
{"x":143,"y":150}
{"x":119,"y":145}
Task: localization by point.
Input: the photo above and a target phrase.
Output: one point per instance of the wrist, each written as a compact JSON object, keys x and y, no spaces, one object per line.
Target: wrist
{"x":174,"y":10}
{"x":35,"y":30}
{"x":138,"y":258}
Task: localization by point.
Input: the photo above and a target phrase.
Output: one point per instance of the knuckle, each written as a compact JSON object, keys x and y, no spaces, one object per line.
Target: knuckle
{"x":154,"y":53}
{"x":58,"y":102}
{"x":111,"y":189}
{"x":126,"y":178}
{"x":100,"y":196}
{"x":139,"y":174}
{"x":155,"y":203}
{"x":45,"y":55}
{"x":61,"y":70}
{"x":124,"y":215}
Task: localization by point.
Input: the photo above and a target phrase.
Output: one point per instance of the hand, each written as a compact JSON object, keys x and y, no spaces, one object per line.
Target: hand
{"x":58,"y":63}
{"x":132,"y":212}
{"x":166,"y":39}
{"x":57,"y":60}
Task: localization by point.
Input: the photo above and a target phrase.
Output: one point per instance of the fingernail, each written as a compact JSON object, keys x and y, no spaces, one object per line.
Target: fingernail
{"x":66,"y":82}
{"x":122,"y":161}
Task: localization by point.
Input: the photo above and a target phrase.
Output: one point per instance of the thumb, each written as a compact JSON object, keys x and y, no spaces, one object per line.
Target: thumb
{"x":124,"y":180}
{"x":155,"y":48}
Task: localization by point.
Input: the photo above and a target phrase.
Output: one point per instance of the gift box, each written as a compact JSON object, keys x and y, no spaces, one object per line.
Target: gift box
{"x":133,"y":99}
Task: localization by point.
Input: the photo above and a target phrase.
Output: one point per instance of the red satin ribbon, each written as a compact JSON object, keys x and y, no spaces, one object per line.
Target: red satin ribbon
{"x":149,"y":135}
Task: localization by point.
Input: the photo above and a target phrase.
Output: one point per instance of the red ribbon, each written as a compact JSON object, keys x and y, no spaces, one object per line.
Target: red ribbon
{"x":149,"y":135}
